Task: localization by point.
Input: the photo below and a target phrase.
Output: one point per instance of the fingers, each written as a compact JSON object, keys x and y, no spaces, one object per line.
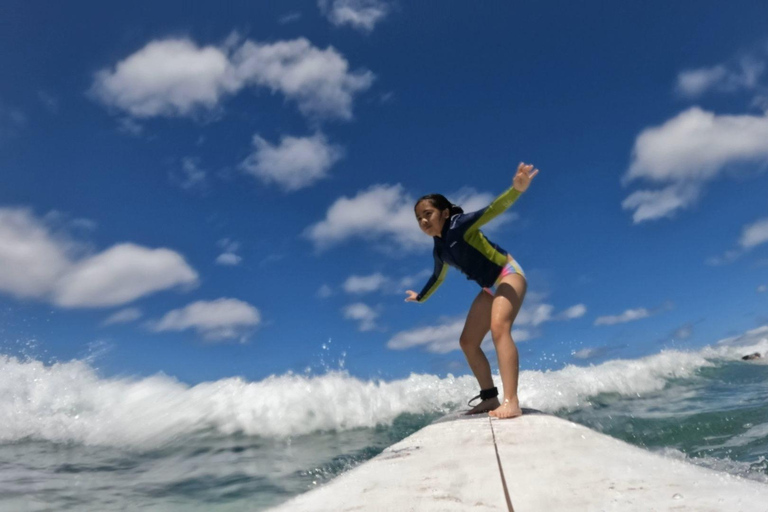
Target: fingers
{"x":524,"y":168}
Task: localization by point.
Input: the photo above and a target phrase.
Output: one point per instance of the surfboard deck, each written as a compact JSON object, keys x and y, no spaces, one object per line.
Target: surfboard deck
{"x":549,"y":464}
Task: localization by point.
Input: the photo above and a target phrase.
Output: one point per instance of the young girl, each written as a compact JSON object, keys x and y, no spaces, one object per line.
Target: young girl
{"x":459,"y":243}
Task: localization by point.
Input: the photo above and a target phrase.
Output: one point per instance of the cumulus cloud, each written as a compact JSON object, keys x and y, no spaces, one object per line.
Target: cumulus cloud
{"x":38,"y":264}
{"x":319,"y":81}
{"x":363,"y":314}
{"x":629,"y":315}
{"x":119,"y":275}
{"x":229,"y":256}
{"x":743,"y":75}
{"x":171,"y":77}
{"x":228,"y":259}
{"x":444,"y":336}
{"x":216,"y":320}
{"x":295,"y":163}
{"x":687,"y":152}
{"x":191,"y":175}
{"x":441,"y":338}
{"x":364,"y":284}
{"x":384,"y":214}
{"x":359,"y":14}
{"x":123,"y":316}
{"x":176,"y":77}
{"x":573,"y":312}
{"x":754,"y":234}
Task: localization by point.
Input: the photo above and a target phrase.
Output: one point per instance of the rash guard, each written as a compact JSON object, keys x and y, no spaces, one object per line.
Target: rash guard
{"x":464,"y":247}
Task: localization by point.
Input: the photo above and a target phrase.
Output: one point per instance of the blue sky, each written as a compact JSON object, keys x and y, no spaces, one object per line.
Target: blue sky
{"x":227,"y":191}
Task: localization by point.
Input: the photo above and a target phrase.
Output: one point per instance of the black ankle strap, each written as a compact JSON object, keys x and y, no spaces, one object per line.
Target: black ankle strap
{"x":485,"y":394}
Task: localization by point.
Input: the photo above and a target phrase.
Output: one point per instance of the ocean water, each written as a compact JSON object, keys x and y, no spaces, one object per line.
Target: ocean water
{"x":71,"y":439}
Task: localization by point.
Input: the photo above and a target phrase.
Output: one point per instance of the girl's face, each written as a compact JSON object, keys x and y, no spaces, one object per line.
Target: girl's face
{"x":430,"y":219}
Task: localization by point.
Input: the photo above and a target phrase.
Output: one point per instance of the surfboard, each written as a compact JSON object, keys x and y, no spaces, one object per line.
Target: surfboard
{"x":537,"y":462}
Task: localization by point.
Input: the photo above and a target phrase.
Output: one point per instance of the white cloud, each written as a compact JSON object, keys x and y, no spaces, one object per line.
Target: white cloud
{"x":364,"y":284}
{"x":721,"y":78}
{"x":440,"y":339}
{"x":295,"y":163}
{"x":37,"y":264}
{"x":362,"y":313}
{"x":359,"y":14}
{"x":229,"y":256}
{"x":573,"y":312}
{"x":754,"y":234}
{"x":220,"y":319}
{"x":176,"y":77}
{"x":171,"y":77}
{"x":31,"y":258}
{"x":121,"y":274}
{"x":762,"y":288}
{"x":655,"y":204}
{"x":123,"y":316}
{"x":228,"y":259}
{"x":384,"y":213}
{"x":629,"y":315}
{"x":129,"y":126}
{"x":191,"y":176}
{"x":318,"y":80}
{"x":444,"y":337}
{"x":685,"y":153}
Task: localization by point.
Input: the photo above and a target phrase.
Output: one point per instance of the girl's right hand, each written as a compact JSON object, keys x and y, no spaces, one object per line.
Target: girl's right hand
{"x":412,"y":296}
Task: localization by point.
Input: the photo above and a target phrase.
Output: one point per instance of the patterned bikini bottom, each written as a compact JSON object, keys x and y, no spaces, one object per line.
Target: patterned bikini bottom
{"x":512,"y":267}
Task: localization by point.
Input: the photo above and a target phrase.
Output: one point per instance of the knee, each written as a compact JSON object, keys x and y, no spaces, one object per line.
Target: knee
{"x":500,"y":330}
{"x":468,"y":344}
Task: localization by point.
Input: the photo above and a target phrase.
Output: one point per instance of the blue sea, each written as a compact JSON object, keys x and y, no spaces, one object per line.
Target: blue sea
{"x":71,"y":439}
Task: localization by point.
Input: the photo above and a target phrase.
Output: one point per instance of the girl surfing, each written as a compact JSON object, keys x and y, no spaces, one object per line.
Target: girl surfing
{"x":459,"y":243}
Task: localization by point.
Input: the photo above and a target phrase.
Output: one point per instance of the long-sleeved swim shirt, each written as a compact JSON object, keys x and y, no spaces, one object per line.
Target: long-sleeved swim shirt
{"x":463,"y":246}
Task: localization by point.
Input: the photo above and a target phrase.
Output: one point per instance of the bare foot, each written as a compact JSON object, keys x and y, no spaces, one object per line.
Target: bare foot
{"x":486,"y":405}
{"x":509,"y":409}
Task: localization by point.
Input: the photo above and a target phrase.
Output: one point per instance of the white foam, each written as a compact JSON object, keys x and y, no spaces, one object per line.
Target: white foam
{"x":70,"y":402}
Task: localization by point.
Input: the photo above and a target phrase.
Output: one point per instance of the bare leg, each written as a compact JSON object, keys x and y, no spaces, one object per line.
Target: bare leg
{"x":506,"y":304}
{"x":477,"y":325}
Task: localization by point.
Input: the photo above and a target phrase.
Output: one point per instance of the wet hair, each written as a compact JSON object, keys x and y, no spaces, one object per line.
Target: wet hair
{"x":440,"y":202}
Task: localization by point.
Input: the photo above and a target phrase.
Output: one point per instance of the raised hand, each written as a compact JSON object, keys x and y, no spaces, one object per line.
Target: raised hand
{"x":411,"y":296}
{"x":522,"y":179}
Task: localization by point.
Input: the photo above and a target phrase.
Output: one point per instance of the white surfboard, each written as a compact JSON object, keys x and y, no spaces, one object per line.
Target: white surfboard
{"x":533,"y":463}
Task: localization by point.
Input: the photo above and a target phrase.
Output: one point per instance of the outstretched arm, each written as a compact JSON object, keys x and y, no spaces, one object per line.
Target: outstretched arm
{"x":438,"y":275}
{"x":520,"y":183}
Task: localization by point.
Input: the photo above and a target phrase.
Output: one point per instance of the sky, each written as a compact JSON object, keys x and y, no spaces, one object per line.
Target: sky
{"x":209,"y":191}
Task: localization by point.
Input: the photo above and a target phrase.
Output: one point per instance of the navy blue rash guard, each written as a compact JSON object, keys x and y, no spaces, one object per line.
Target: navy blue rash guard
{"x":464,"y":247}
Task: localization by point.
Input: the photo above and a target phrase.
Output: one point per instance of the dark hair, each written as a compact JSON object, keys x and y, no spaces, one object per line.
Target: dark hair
{"x":440,"y":202}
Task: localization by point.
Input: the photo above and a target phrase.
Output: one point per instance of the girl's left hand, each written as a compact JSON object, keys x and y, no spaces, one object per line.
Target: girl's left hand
{"x":525,"y":174}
